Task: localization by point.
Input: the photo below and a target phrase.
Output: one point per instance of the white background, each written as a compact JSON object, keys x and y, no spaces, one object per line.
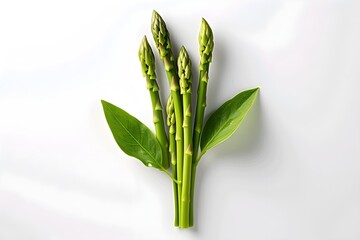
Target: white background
{"x":291,"y":171}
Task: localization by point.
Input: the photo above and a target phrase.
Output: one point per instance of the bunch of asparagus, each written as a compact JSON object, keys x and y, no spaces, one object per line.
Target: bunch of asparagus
{"x":178,"y":142}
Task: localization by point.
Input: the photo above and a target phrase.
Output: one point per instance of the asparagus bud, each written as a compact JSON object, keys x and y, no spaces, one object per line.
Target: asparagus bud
{"x":184,"y":69}
{"x":147,"y":60}
{"x":161,"y":36}
{"x":206,"y":42}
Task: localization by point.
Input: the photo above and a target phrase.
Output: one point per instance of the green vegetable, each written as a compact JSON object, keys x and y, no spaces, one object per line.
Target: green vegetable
{"x":163,"y":44}
{"x":172,"y":149}
{"x":147,"y":61}
{"x":206,"y":46}
{"x":184,"y":68}
{"x":184,"y":138}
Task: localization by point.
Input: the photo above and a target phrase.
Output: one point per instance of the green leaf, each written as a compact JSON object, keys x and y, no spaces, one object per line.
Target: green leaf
{"x":133,"y":137}
{"x":226,"y":119}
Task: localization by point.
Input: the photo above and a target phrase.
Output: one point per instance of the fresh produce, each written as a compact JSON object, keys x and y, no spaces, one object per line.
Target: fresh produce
{"x":181,"y":139}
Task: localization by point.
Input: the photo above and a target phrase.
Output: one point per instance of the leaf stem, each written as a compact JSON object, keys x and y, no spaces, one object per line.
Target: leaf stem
{"x":170,"y":175}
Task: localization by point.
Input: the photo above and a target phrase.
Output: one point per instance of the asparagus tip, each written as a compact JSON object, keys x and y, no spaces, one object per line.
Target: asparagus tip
{"x":147,"y":59}
{"x":184,"y":71}
{"x":155,"y":17}
{"x":203,"y":21}
{"x":160,"y":35}
{"x":154,"y":13}
{"x":206,"y":42}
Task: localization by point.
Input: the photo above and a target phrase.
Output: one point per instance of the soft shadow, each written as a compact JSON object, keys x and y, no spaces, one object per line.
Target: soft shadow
{"x":197,"y":191}
{"x":217,"y":72}
{"x":247,"y":138}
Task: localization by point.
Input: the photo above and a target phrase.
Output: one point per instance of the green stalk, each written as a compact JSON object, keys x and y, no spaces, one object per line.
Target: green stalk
{"x":163,"y":44}
{"x":184,"y":70}
{"x":206,"y":46}
{"x":172,"y":149}
{"x":147,"y":61}
{"x":192,"y":192}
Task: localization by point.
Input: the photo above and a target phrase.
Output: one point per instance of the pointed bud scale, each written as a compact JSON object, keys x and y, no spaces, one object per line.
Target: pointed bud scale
{"x":188,"y":71}
{"x":158,"y":106}
{"x":162,"y":51}
{"x":185,"y":124}
{"x":167,"y":64}
{"x":172,"y":129}
{"x":189,"y":150}
{"x":155,"y":86}
{"x":155,"y":118}
{"x":205,"y":77}
{"x":197,"y":129}
{"x":174,"y":86}
{"x":149,"y":83}
{"x":188,"y":111}
{"x":151,"y":71}
{"x":173,"y":160}
{"x":177,"y":137}
{"x":173,"y":120}
{"x":161,"y":39}
{"x":201,"y":67}
{"x":171,"y":58}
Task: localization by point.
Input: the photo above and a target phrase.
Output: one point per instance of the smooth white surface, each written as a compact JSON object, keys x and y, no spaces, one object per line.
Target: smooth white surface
{"x":292,"y":171}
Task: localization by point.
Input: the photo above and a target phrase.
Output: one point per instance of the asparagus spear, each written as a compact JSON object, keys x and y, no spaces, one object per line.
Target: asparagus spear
{"x":206,"y":42}
{"x":184,"y":71}
{"x":147,"y":61}
{"x":163,"y":44}
{"x":172,"y":149}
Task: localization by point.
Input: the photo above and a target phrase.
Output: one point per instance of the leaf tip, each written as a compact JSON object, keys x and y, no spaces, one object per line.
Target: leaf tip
{"x":255,"y":91}
{"x":104,"y":103}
